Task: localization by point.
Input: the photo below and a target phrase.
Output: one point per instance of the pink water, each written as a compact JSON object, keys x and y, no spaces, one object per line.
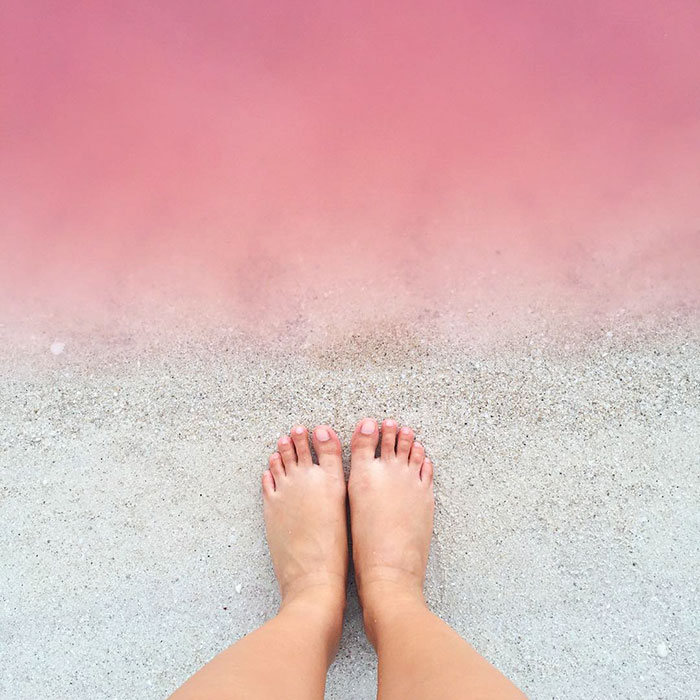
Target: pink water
{"x":255,"y":156}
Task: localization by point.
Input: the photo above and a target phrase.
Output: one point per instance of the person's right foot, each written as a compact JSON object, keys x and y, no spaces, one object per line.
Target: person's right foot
{"x":391,"y":511}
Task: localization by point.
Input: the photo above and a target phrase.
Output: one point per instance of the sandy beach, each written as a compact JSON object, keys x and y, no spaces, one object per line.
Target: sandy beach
{"x":566,"y":538}
{"x":218,"y":220}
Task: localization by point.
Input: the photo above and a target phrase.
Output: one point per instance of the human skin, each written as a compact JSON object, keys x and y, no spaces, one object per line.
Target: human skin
{"x":391,"y":509}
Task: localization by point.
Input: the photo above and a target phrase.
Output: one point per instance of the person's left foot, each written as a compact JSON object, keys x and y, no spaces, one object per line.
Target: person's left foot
{"x":305,"y":518}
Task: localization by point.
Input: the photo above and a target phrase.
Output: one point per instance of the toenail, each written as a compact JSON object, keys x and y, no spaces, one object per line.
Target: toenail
{"x":405,"y":430}
{"x":389,"y":423}
{"x":284,"y":440}
{"x":367,"y":427}
{"x":299,"y":430}
{"x":322,"y":434}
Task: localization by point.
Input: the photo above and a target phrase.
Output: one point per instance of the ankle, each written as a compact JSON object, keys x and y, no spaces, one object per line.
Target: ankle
{"x":380,"y":584}
{"x":322,"y":601}
{"x":383,"y":601}
{"x":318,"y":607}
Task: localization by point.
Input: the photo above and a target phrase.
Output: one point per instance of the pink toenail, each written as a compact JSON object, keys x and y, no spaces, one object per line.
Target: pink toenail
{"x":322,"y":434}
{"x":284,"y":440}
{"x":299,"y":430}
{"x":405,"y":430}
{"x":367,"y":427}
{"x":389,"y":423}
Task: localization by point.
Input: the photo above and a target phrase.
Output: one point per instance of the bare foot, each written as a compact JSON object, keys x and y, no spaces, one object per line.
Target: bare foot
{"x":305,"y":520}
{"x":391,"y":508}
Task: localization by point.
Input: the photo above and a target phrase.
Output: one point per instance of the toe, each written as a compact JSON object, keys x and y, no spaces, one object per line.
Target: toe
{"x":364,"y":439}
{"x":285,"y":447}
{"x":268,"y":483}
{"x":403,"y":444}
{"x":327,"y":446}
{"x":426,"y":472}
{"x":415,"y":460}
{"x":277,"y":468}
{"x":389,"y":428}
{"x":300,"y":437}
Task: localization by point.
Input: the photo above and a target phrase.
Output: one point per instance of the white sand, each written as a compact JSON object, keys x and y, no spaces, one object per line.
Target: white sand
{"x":567,"y":534}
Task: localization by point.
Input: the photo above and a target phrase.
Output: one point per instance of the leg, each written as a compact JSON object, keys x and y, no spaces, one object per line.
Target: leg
{"x":306,"y":530}
{"x":391,"y":508}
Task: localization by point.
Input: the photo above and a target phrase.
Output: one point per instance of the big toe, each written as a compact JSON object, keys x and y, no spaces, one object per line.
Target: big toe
{"x":328,"y":450}
{"x":364,"y":440}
